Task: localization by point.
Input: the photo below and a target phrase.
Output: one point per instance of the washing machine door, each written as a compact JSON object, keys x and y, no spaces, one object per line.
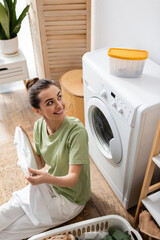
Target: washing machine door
{"x":104,"y":130}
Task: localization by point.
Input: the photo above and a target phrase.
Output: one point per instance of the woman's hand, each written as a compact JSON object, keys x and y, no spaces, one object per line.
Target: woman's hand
{"x":36,"y":177}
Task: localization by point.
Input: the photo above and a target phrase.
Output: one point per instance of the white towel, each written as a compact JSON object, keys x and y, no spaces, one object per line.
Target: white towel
{"x":24,"y":151}
{"x":33,"y":199}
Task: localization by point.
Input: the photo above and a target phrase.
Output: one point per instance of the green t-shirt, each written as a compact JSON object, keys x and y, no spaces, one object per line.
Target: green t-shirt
{"x":67,"y":146}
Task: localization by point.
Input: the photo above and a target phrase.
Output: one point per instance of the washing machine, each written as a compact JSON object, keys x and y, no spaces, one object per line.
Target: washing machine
{"x":121,"y":116}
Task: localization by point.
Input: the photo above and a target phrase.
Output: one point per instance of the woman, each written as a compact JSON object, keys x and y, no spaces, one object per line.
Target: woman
{"x":62,"y":143}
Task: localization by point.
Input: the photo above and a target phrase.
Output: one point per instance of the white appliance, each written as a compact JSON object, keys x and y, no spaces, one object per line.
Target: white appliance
{"x":121,"y":116}
{"x":13,"y":68}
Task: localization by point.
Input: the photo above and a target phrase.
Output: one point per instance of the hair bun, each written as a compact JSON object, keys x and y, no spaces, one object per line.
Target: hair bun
{"x":31,"y":82}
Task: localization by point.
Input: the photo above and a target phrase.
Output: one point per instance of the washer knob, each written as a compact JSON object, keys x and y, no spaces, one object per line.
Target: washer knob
{"x":103,"y":93}
{"x":114,"y":104}
{"x":120,"y":110}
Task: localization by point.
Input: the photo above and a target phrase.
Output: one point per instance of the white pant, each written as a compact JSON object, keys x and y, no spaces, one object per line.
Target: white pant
{"x":15,"y":224}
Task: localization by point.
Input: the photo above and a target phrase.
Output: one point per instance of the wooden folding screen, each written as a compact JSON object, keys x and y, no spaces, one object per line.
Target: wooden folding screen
{"x":60,"y":32}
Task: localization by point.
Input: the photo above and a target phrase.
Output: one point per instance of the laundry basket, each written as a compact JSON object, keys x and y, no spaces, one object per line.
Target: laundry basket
{"x":100,"y":224}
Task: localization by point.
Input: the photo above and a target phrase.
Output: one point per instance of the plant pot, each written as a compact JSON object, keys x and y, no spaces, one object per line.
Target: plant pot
{"x":9,"y":46}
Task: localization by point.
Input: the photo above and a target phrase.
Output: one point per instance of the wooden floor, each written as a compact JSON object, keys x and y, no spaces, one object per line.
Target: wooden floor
{"x":15,"y":110}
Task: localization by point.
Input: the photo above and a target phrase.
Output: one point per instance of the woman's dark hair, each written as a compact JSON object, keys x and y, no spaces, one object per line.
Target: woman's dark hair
{"x":34,"y":87}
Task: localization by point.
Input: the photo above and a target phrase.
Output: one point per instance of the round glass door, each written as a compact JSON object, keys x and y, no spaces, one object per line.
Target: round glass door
{"x":104,"y":130}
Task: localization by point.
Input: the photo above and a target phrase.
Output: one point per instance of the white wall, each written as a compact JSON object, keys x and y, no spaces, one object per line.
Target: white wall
{"x":130,"y":23}
{"x":25,"y":41}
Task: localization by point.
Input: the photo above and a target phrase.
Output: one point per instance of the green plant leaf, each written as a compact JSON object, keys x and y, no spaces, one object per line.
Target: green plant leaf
{"x":18,"y":23}
{"x":8,"y":19}
{"x":9,"y":4}
{"x":13,"y":19}
{"x":6,"y":7}
{"x":15,"y":2}
{"x":2,"y":33}
{"x":4,"y":20}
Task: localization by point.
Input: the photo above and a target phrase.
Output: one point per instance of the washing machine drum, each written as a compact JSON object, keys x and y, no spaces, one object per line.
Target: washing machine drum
{"x":104,"y":130}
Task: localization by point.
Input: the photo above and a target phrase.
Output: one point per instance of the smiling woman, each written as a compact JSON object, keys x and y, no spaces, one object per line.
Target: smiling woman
{"x":52,"y":107}
{"x":62,"y":143}
{"x":47,"y":103}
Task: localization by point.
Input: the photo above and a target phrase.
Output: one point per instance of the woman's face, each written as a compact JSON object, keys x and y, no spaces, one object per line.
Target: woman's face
{"x":52,"y":105}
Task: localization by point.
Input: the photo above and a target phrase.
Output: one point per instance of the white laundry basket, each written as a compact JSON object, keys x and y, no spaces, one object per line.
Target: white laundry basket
{"x":100,"y":224}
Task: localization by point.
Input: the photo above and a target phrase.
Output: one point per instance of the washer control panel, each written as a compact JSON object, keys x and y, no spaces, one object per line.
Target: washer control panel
{"x":119,"y":105}
{"x":124,"y":109}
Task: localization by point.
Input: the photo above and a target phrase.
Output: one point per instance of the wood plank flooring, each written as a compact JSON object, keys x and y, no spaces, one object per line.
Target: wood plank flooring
{"x":15,"y":110}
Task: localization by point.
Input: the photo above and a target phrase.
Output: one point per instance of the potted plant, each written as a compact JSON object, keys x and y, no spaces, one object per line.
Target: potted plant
{"x":10,"y":26}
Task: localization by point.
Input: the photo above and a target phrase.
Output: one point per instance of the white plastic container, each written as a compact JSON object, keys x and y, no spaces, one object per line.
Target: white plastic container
{"x":99,"y":224}
{"x":127,"y":63}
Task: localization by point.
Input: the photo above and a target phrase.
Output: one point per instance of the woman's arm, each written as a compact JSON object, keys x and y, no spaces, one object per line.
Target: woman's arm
{"x":39,"y":159}
{"x":70,"y":180}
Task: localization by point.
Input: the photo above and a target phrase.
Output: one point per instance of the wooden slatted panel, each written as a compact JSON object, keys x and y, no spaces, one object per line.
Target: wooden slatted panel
{"x":64,"y":7}
{"x":67,"y":23}
{"x":65,"y":27}
{"x":50,"y":2}
{"x":63,"y":14}
{"x":64,"y":31}
{"x":60,"y":62}
{"x":67,"y":45}
{"x":66,"y":18}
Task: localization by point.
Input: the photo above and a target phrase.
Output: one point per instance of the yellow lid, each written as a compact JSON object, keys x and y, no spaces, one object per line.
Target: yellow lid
{"x":129,"y":54}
